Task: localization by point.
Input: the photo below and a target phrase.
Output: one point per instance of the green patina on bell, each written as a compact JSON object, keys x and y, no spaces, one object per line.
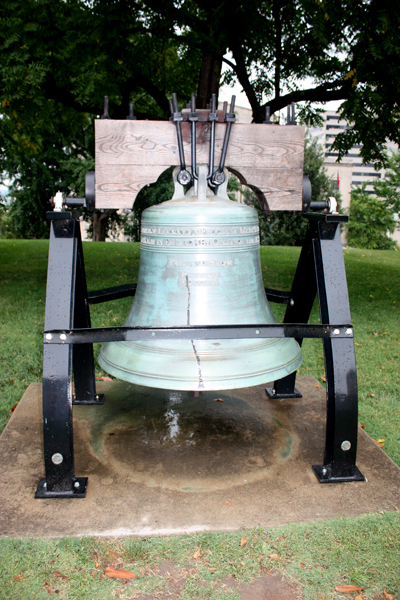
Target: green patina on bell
{"x":200,"y":265}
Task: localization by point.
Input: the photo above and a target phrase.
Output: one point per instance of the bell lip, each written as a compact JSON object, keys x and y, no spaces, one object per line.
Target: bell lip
{"x":208,"y":382}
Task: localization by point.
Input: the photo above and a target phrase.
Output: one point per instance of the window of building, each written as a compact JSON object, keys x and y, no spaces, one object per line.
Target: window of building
{"x":361,"y":174}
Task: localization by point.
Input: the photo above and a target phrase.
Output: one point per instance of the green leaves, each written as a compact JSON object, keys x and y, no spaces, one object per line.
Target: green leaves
{"x":370,"y":220}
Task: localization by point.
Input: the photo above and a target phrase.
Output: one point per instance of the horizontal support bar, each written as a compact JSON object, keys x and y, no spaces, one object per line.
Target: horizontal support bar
{"x":196,"y":332}
{"x":277,"y":296}
{"x":112,"y":293}
{"x":327,"y":218}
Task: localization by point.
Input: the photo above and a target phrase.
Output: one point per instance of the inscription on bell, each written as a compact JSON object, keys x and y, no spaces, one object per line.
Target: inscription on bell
{"x":200,"y":242}
{"x":198,"y":279}
{"x":200,"y":231}
{"x":172,"y":262}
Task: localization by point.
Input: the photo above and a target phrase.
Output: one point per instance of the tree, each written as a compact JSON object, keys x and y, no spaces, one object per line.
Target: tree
{"x":369,"y":222}
{"x":54,"y":155}
{"x":70,"y":53}
{"x":372,"y":218}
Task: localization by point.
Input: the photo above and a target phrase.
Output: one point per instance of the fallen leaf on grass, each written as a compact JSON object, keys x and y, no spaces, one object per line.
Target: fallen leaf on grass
{"x":48,"y":588}
{"x":13,"y":408}
{"x":19,"y":577}
{"x":372,"y":395}
{"x":118,"y":573}
{"x":362,"y":426}
{"x":380,"y":444}
{"x":387,"y":596}
{"x":322,"y":378}
{"x":106,"y":378}
{"x":381,"y":441}
{"x":347,"y":589}
{"x":276,"y":556}
{"x":316,"y":386}
{"x":243,"y":542}
{"x":212,"y":568}
{"x":218,"y":400}
{"x":58,"y":574}
{"x":197,"y":553}
{"x":358,"y":597}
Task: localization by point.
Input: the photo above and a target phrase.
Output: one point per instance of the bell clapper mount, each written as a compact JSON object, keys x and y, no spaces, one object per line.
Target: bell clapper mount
{"x":184,"y":177}
{"x":193,"y":117}
{"x":216,"y":177}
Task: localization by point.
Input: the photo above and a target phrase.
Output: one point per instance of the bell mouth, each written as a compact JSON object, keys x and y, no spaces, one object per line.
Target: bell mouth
{"x":201,"y":365}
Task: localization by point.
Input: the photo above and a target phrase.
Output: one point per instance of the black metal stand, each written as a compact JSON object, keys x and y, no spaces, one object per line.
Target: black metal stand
{"x":321,"y":271}
{"x":66,"y":305}
{"x":68,"y":346}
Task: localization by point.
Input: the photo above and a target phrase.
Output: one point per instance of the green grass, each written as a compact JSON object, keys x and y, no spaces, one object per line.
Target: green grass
{"x":363,"y":551}
{"x":315,"y":558}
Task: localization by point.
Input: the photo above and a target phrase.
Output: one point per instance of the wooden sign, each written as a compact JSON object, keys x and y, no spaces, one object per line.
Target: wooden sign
{"x":132,"y":154}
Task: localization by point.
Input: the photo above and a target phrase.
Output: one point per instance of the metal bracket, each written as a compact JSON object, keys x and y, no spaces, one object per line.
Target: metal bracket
{"x":79,"y":486}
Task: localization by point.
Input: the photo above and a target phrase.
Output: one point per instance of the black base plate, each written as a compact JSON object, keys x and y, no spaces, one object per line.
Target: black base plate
{"x":327,"y":478}
{"x":76,"y":492}
{"x":270,"y":392}
{"x":99,"y":400}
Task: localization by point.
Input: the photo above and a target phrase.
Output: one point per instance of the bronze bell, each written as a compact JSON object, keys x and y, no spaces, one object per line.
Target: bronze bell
{"x":200,"y":265}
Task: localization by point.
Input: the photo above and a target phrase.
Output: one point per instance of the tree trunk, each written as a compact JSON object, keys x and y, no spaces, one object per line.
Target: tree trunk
{"x":100,"y":224}
{"x":209,"y":76}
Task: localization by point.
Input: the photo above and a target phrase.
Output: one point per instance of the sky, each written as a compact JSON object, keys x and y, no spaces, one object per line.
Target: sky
{"x":226,"y":92}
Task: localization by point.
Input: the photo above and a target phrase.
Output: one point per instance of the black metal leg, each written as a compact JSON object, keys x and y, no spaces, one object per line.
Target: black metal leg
{"x":341,"y":375}
{"x":298,"y":310}
{"x":60,"y":478}
{"x":284,"y":388}
{"x":82,"y":354}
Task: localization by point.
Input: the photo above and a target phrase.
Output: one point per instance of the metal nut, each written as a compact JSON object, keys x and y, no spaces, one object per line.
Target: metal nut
{"x":57,"y":458}
{"x":336,"y":331}
{"x":76,"y":484}
{"x":345,"y":445}
{"x":63,"y":337}
{"x":291,"y":302}
{"x":349,"y":331}
{"x":324,"y":471}
{"x":48,"y":336}
{"x":257,"y":332}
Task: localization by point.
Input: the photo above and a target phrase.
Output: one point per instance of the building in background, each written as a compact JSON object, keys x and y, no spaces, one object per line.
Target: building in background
{"x":350,"y":172}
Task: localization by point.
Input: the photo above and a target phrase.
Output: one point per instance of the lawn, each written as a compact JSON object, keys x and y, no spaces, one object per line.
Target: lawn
{"x":363,"y":551}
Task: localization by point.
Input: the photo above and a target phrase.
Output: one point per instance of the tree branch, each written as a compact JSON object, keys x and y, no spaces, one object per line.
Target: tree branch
{"x":241,"y":73}
{"x":229,"y":63}
{"x":336,"y":90}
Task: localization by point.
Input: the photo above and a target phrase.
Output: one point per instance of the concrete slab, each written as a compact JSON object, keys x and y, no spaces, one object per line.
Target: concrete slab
{"x":162,"y":462}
